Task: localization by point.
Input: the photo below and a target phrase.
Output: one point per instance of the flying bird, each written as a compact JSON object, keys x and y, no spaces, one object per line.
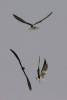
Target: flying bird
{"x":41,"y":73}
{"x":33,"y":27}
{"x":23,"y":68}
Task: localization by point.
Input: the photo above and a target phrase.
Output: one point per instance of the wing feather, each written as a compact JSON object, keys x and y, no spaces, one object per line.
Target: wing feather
{"x":38,"y":70}
{"x":21,"y":20}
{"x":43,"y":19}
{"x":44,"y":68}
{"x":17,"y":58}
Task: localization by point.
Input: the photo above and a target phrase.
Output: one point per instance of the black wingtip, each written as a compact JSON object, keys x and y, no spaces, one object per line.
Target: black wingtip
{"x":14,"y":15}
{"x":51,"y":12}
{"x":39,"y":61}
{"x":29,"y":84}
{"x":11,"y":50}
{"x":44,"y":61}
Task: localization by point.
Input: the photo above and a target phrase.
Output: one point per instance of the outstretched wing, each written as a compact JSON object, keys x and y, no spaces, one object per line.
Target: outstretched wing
{"x":38,"y":70}
{"x":43,"y":19}
{"x":28,"y":81}
{"x":17,"y":58}
{"x":29,"y":84}
{"x":44,"y":68}
{"x":21,"y":20}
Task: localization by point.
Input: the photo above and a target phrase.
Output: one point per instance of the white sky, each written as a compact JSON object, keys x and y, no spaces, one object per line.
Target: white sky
{"x":49,"y":41}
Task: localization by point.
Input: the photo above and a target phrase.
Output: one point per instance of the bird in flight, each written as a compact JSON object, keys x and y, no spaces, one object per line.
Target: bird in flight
{"x":43,"y":71}
{"x":23,"y":68}
{"x":33,"y":27}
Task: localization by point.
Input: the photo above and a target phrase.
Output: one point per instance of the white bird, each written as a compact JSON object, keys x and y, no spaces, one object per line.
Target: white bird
{"x":23,"y":68}
{"x":32,"y":25}
{"x":43,"y":71}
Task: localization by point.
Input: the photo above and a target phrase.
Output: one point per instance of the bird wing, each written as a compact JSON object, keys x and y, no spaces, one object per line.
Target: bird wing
{"x":21,"y":20}
{"x":17,"y":58}
{"x":28,"y":81}
{"x":38,"y":70}
{"x":44,"y":68}
{"x":43,"y":19}
{"x":29,"y":84}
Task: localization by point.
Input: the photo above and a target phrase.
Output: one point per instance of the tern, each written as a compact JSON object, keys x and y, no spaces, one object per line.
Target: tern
{"x":23,"y":68}
{"x":43,"y":71}
{"x":33,"y":27}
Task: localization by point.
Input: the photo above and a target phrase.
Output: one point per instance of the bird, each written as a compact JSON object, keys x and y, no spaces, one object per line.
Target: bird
{"x":33,"y":27}
{"x":41,"y":73}
{"x":23,"y":69}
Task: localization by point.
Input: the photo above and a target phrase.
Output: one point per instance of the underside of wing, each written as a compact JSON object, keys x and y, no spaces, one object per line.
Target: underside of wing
{"x":43,"y":19}
{"x":21,"y":20}
{"x":44,"y":68}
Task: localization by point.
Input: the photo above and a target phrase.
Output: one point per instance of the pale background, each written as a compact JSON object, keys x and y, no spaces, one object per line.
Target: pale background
{"x":49,"y":41}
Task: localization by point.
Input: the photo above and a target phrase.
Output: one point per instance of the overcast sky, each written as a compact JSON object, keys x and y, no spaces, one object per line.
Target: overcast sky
{"x":49,"y":41}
